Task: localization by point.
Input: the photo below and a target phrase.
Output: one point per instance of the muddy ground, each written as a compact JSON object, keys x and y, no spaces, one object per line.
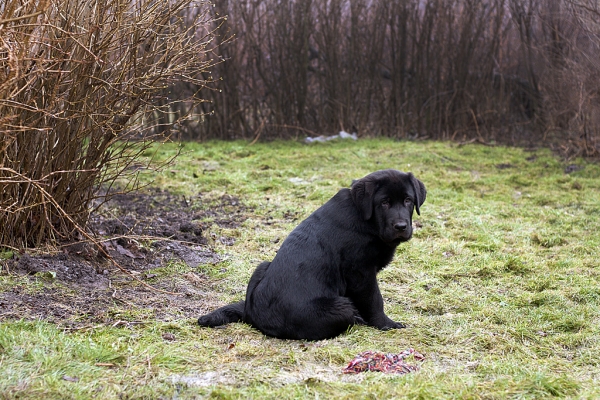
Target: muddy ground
{"x":78,"y":285}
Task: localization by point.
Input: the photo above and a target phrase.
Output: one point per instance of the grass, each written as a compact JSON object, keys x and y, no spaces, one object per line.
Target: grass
{"x":500,"y":285}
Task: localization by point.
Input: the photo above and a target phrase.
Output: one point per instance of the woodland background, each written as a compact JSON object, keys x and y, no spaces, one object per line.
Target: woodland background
{"x":88,"y":87}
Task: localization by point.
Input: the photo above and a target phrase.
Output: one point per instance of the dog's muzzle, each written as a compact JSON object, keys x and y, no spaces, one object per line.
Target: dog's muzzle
{"x":399,"y":231}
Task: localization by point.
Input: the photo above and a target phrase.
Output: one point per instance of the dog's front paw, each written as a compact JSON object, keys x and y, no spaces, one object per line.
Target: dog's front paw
{"x":397,"y":325}
{"x":389,"y":324}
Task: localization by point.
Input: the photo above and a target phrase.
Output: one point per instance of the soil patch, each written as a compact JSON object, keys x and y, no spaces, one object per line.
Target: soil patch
{"x":141,"y":231}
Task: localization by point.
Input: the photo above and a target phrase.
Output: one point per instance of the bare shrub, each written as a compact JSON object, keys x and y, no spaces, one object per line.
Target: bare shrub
{"x":81,"y":86}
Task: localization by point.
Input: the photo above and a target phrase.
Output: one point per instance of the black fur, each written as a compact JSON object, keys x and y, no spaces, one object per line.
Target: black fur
{"x":323,"y":278}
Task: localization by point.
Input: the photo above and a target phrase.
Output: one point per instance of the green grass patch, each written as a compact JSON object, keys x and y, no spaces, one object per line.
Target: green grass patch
{"x":499,"y":286}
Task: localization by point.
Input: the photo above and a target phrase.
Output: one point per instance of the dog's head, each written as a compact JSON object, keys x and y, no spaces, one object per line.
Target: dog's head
{"x":387,"y":199}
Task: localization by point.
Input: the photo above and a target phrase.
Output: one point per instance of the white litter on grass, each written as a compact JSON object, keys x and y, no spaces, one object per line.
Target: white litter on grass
{"x":323,"y":138}
{"x":201,"y":380}
{"x":298,"y":181}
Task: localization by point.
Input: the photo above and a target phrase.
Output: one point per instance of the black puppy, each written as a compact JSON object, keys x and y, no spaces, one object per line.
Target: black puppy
{"x":323,"y":278}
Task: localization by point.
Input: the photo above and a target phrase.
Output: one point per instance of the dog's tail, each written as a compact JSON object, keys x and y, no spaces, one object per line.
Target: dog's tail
{"x":234,"y":312}
{"x":224,"y":315}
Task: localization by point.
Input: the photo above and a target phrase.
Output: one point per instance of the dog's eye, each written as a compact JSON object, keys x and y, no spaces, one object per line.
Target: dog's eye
{"x":408,"y":201}
{"x":385,"y":202}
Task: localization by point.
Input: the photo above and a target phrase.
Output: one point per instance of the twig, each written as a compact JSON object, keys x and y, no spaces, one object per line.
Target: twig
{"x":15,"y":19}
{"x":476,"y":125}
{"x":259,"y":131}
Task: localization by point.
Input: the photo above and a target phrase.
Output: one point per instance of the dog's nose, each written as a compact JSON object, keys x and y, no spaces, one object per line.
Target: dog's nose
{"x":400,"y":226}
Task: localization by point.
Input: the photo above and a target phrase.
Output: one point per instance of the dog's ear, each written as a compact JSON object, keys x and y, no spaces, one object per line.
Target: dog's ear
{"x":420,"y":191}
{"x":362,"y":191}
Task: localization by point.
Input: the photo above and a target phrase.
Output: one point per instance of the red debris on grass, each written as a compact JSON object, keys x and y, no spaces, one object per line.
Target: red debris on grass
{"x":384,"y":362}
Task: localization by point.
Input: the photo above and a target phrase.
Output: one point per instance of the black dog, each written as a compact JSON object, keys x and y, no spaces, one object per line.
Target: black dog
{"x":323,"y":278}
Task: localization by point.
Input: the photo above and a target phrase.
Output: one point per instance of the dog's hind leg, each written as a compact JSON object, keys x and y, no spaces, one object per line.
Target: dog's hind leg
{"x":257,"y":276}
{"x":323,"y":318}
{"x":224,"y":315}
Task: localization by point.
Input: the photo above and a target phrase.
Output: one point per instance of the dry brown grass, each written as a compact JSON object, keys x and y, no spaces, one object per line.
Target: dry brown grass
{"x":79,"y":90}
